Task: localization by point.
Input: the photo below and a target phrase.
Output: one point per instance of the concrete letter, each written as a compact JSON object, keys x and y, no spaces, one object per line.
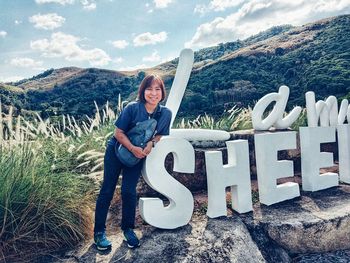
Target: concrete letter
{"x":235,"y":174}
{"x":179,"y":211}
{"x":312,"y":159}
{"x":344,"y":152}
{"x":269,"y":169}
{"x":182,"y":75}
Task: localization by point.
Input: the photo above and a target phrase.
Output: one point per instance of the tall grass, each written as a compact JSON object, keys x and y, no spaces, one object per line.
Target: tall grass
{"x":233,"y":119}
{"x":46,"y":201}
{"x":40,"y":209}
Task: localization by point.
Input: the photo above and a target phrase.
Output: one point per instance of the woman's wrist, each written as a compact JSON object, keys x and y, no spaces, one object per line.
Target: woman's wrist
{"x":131,"y":148}
{"x":153,"y":142}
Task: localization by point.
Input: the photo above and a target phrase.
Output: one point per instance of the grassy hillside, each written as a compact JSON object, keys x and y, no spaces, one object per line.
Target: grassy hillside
{"x":311,"y":57}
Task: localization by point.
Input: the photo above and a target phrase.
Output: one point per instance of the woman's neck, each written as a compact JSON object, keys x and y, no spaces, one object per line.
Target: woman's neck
{"x":150,"y":108}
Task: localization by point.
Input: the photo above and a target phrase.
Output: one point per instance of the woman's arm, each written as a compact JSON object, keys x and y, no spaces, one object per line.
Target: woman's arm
{"x":124,"y":140}
{"x":149,"y":146}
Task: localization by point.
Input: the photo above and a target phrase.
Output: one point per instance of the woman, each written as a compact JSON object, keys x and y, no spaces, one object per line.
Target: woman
{"x":150,"y":93}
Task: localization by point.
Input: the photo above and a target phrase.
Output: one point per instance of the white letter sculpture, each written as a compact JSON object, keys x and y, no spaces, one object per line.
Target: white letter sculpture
{"x":325,"y":112}
{"x":235,"y":174}
{"x":183,"y":72}
{"x":269,"y":169}
{"x":275,"y":118}
{"x":179,"y":211}
{"x":344,"y":152}
{"x":312,"y":159}
{"x":182,"y":75}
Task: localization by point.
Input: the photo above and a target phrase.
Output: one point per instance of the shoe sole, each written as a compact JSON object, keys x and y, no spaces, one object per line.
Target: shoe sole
{"x":103,"y":248}
{"x":130,"y":246}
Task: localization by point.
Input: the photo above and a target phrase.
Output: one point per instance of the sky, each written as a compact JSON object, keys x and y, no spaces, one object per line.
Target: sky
{"x":36,"y":35}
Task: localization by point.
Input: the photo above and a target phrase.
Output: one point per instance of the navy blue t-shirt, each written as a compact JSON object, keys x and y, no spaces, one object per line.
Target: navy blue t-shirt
{"x":136,"y":112}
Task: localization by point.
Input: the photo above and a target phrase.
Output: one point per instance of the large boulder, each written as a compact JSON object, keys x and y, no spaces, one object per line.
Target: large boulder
{"x":203,"y":240}
{"x":314,"y":222}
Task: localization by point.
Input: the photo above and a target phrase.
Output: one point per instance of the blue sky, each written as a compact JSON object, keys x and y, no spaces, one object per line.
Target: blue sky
{"x":36,"y":35}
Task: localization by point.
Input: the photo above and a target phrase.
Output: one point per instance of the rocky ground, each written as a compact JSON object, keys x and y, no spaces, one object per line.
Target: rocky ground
{"x":312,"y":228}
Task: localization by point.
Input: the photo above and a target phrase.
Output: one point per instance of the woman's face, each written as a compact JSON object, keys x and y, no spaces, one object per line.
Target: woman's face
{"x":153,"y":93}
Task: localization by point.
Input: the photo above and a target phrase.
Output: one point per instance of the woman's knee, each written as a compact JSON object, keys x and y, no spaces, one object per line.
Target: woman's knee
{"x":105,"y":196}
{"x":128,"y":193}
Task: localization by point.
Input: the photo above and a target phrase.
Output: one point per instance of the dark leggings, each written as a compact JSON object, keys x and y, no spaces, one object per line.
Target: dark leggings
{"x":112,"y":169}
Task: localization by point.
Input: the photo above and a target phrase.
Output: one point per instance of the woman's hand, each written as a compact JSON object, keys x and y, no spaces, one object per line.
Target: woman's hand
{"x":138,"y":152}
{"x":148,"y":148}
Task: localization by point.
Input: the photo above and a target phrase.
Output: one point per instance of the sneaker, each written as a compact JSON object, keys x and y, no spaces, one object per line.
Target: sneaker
{"x":131,"y":238}
{"x":101,"y":241}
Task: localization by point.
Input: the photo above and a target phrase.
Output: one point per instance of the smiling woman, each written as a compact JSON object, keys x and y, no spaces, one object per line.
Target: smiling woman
{"x":151,"y":92}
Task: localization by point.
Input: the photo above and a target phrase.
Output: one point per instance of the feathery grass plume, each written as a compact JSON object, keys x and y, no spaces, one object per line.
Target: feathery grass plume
{"x":110,"y":113}
{"x":9,"y":125}
{"x":98,"y":165}
{"x":120,"y":104}
{"x":85,"y":128}
{"x":18,"y":130}
{"x":104,"y":116}
{"x":85,"y":153}
{"x":93,"y":155}
{"x":97,"y":115}
{"x":108,"y":135}
{"x":96,"y":176}
{"x":242,"y":120}
{"x":301,"y":121}
{"x":181,"y":124}
{"x":84,"y":164}
{"x":80,"y":146}
{"x":63,"y":122}
{"x":69,"y":121}
{"x":1,"y":125}
{"x":77,"y":128}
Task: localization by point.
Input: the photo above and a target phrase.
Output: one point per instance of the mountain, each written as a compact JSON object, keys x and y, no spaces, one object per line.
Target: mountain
{"x":311,"y":57}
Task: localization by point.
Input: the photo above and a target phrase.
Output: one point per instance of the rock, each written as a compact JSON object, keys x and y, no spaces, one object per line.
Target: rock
{"x":203,"y":240}
{"x":315,"y":222}
{"x":298,"y":229}
{"x":340,"y":256}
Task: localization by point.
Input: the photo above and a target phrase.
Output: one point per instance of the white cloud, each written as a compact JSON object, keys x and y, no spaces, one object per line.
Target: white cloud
{"x":118,"y":60}
{"x":121,"y":44}
{"x":162,"y":3}
{"x":61,"y":2}
{"x":154,"y":57}
{"x":149,"y":39}
{"x":131,"y":68}
{"x":17,"y":22}
{"x":169,"y":58}
{"x":257,"y":15}
{"x":66,"y":46}
{"x":210,"y":34}
{"x":10,"y":79}
{"x":87,"y":4}
{"x":3,"y":33}
{"x":217,"y":5}
{"x":26,"y":63}
{"x":90,"y":7}
{"x":48,"y":21}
